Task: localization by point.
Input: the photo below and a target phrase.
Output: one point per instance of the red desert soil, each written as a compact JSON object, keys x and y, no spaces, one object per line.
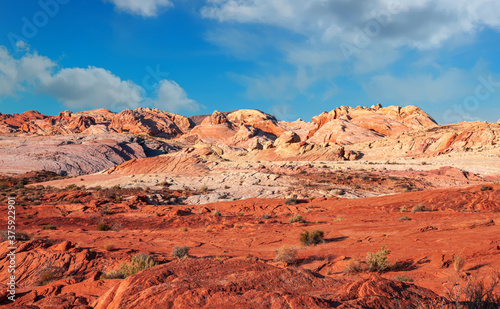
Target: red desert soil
{"x":230,"y":263}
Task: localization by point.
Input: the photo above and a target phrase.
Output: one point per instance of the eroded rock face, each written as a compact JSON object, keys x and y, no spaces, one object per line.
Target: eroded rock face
{"x":74,"y":154}
{"x":251,"y":284}
{"x":367,"y":123}
{"x":287,"y":138}
{"x":474,"y":137}
{"x":140,"y":120}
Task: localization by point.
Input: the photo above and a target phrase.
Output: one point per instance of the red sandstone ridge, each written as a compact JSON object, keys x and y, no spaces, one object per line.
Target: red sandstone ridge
{"x":141,"y":120}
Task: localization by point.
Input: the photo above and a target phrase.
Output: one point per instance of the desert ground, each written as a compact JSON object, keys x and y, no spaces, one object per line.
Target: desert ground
{"x":366,"y":207}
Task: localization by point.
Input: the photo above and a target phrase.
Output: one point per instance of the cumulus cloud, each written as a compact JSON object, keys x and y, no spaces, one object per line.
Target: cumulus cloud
{"x":172,"y":97}
{"x":90,"y":87}
{"x":146,"y":8}
{"x":366,"y":35}
{"x":79,"y":88}
{"x":421,"y":23}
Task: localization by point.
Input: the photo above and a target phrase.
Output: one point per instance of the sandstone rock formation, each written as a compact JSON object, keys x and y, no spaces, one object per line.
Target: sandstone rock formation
{"x":251,"y":284}
{"x":74,"y":154}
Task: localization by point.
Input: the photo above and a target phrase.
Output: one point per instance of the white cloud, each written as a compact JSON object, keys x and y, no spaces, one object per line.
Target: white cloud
{"x":422,"y":24}
{"x":172,"y":98}
{"x":146,"y":8}
{"x":80,"y":88}
{"x":91,"y":87}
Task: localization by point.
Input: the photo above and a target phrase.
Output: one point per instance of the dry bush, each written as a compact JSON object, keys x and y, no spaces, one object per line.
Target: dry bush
{"x":353,"y":266}
{"x":311,"y":238}
{"x":138,"y":263}
{"x":109,"y":247}
{"x":458,"y":262}
{"x":180,"y":252}
{"x":296,"y":218}
{"x":286,"y":254}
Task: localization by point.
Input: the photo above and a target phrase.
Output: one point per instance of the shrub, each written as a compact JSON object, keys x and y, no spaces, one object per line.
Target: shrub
{"x":28,"y":216}
{"x":109,"y":247}
{"x":458,"y":262}
{"x":353,"y":266}
{"x":138,"y":263}
{"x":116,"y":187}
{"x":204,"y":189}
{"x":103,"y":226}
{"x":180,"y":252}
{"x":311,"y":238}
{"x":286,"y":255}
{"x":296,"y":218}
{"x":378,"y":261}
{"x":405,"y":218}
{"x":418,"y":208}
{"x":266,"y":216}
{"x":475,"y":293}
{"x":49,"y":227}
{"x":37,"y":202}
{"x":291,"y":200}
{"x":71,"y":186}
{"x":216,"y":213}
{"x":485,"y":188}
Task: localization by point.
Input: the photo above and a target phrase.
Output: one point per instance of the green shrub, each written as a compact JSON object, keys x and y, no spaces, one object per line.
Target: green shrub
{"x":486,"y":188}
{"x":378,"y":261}
{"x":296,"y":218}
{"x":49,"y":227}
{"x":180,"y":252}
{"x":311,"y":238}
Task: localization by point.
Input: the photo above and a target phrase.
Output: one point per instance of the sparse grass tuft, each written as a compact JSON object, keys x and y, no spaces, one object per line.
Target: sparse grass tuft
{"x":286,"y":255}
{"x":405,"y":218}
{"x":266,"y":216}
{"x":403,"y":278}
{"x":216,"y":213}
{"x":311,"y":238}
{"x":49,"y":227}
{"x":458,"y":262}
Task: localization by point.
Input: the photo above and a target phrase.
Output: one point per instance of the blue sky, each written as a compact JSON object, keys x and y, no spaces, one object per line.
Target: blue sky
{"x":289,"y":58}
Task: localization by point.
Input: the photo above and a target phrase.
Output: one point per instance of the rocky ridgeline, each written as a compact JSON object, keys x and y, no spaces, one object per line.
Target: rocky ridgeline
{"x":91,"y":141}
